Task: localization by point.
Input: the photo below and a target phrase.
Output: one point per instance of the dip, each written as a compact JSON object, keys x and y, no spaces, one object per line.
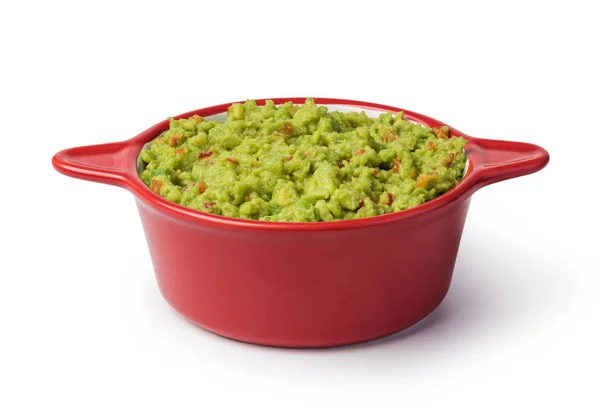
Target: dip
{"x":301,"y":163}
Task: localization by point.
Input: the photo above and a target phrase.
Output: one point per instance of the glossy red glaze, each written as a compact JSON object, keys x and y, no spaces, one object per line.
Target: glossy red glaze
{"x":304,"y":284}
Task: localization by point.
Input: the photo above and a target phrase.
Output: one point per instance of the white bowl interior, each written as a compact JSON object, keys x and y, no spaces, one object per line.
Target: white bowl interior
{"x":371,"y":113}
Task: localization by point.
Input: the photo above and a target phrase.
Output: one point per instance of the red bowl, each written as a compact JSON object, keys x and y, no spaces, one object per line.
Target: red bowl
{"x":304,"y":284}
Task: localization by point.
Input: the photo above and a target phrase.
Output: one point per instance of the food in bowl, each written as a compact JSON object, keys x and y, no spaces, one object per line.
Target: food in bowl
{"x":301,"y":163}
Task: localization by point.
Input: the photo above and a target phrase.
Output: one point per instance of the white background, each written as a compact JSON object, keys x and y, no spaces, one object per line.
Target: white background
{"x":84,"y":327}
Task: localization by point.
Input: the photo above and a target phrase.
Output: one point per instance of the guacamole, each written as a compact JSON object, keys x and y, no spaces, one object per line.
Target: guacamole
{"x":301,"y":163}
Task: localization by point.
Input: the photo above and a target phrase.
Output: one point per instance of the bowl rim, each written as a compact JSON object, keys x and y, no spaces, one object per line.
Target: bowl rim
{"x":142,"y":191}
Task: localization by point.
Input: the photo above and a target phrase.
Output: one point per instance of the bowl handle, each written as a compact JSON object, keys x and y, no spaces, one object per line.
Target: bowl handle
{"x":105,"y":163}
{"x":497,"y":160}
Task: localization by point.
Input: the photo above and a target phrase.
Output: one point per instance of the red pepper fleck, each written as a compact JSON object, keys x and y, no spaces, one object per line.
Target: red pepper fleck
{"x":307,"y":154}
{"x":233,"y":160}
{"x":277,"y":134}
{"x":450,"y":160}
{"x":202,"y":187}
{"x":359,"y":152}
{"x":174,"y":138}
{"x":391,"y":198}
{"x":375,"y":172}
{"x":423,"y":180}
{"x":180,"y":151}
{"x":286,"y":159}
{"x":340,"y":164}
{"x":205,"y":154}
{"x":361,"y":204}
{"x":287,"y":128}
{"x":209,"y":205}
{"x":248,"y":197}
{"x":396,"y":166}
{"x":389,"y":135}
{"x":156,"y":185}
{"x":442,"y":132}
{"x":431,"y":145}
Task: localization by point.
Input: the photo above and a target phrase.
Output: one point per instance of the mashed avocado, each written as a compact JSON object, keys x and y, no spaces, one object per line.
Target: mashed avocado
{"x":301,"y":163}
